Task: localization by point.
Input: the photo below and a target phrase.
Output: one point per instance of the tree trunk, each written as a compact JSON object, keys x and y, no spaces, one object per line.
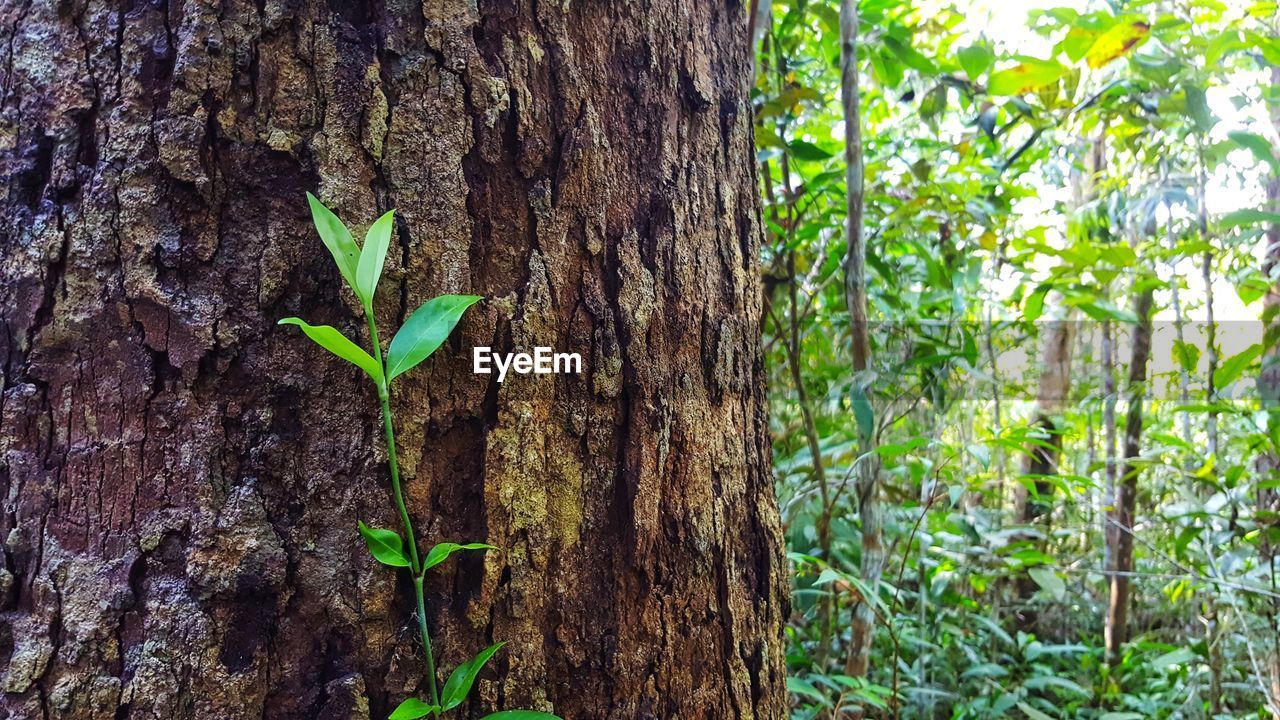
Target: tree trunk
{"x":181,"y":481}
{"x":1042,"y":457}
{"x":1122,"y":515}
{"x":1269,"y":394}
{"x":870,"y":513}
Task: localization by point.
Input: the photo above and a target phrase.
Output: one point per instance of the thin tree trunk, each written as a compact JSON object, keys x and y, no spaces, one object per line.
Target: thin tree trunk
{"x":1055,"y":375}
{"x":1121,"y":518}
{"x":858,"y":660}
{"x":1213,"y":635}
{"x":181,"y":481}
{"x":997,"y":414}
{"x":1269,"y":393}
{"x":1055,"y":385}
{"x":1042,"y":456}
{"x":1109,"y":436}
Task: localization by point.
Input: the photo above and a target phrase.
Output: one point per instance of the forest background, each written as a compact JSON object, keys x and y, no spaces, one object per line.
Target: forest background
{"x":1023,"y":403}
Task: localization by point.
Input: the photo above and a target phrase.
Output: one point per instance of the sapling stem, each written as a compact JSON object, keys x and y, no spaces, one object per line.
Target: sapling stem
{"x":415,"y":565}
{"x":422,"y":333}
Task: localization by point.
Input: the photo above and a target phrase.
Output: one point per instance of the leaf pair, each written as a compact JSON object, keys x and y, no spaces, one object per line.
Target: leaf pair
{"x":360,"y":267}
{"x":387,"y":547}
{"x":422,"y":334}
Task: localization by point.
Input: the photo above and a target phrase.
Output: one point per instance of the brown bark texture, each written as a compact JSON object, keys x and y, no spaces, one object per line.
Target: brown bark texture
{"x":181,"y":479}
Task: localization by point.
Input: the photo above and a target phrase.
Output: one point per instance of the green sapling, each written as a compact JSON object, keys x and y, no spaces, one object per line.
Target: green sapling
{"x":425,"y":331}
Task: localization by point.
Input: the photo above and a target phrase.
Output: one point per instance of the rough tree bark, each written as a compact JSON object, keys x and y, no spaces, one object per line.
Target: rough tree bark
{"x":181,"y":481}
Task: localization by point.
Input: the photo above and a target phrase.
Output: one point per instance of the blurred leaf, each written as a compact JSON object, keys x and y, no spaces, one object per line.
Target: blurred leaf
{"x":1032,"y":713}
{"x":863,"y":414}
{"x":1256,"y":144}
{"x":1026,"y":77}
{"x":1181,"y":656}
{"x":975,"y":60}
{"x":1049,"y":581}
{"x":1117,"y":41}
{"x":1232,"y":368}
{"x":805,"y":150}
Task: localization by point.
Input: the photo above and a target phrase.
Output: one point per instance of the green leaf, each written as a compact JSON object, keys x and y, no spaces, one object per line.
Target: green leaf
{"x":460,"y":680}
{"x":1122,"y":716}
{"x":984,"y":670}
{"x":412,"y":709}
{"x":1181,"y":656}
{"x":1028,"y":76}
{"x":1041,"y":682}
{"x":805,"y":150}
{"x":863,"y":414}
{"x":1256,"y":144}
{"x":387,"y":546}
{"x":1048,"y":581}
{"x":373,"y":256}
{"x":975,"y":60}
{"x":338,"y":239}
{"x":442,"y":551}
{"x":1033,"y":713}
{"x":934,"y":102}
{"x":425,"y":330}
{"x":886,"y":68}
{"x":520,"y":715}
{"x":909,"y":55}
{"x":1234,"y":367}
{"x":1033,"y":307}
{"x":1077,"y":42}
{"x":797,"y":686}
{"x":1103,"y":310}
{"x":1187,"y":355}
{"x":1241,"y":218}
{"x":327,"y":337}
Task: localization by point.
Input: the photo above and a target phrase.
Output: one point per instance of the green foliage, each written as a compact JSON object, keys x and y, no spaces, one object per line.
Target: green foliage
{"x":421,"y":335}
{"x":1048,"y":172}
